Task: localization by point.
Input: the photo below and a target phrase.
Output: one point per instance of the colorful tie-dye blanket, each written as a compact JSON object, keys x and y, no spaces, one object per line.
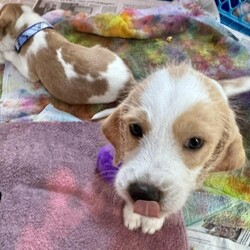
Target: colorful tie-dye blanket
{"x":146,"y":39}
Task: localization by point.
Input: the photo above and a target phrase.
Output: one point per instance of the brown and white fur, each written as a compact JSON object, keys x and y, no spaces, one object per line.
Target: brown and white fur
{"x":154,"y":130}
{"x":72,"y":73}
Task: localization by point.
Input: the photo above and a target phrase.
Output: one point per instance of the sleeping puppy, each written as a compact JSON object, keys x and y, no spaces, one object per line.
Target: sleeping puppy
{"x":70,"y":72}
{"x":172,"y":129}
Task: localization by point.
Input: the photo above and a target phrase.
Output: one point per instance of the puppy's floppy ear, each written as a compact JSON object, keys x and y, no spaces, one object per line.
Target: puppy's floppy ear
{"x":5,"y":19}
{"x":8,"y":15}
{"x":112,"y":129}
{"x":234,"y":154}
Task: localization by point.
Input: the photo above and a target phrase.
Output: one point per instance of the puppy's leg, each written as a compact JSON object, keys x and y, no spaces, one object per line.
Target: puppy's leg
{"x":18,"y":62}
{"x":131,"y":220}
{"x":12,"y":57}
{"x":151,"y":225}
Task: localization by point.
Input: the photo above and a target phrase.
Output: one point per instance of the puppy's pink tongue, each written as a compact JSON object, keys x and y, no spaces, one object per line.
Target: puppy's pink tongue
{"x":147,"y":208}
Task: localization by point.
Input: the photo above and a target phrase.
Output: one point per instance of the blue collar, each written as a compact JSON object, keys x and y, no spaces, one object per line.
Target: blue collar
{"x":30,"y":32}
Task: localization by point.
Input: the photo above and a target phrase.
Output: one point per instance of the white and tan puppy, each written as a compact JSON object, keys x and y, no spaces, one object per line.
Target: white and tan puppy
{"x":72,"y":73}
{"x":172,"y":129}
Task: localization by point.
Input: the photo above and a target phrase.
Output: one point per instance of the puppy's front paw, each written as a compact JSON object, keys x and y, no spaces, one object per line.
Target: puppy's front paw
{"x":151,"y":225}
{"x":9,"y":55}
{"x":134,"y":221}
{"x":131,"y":220}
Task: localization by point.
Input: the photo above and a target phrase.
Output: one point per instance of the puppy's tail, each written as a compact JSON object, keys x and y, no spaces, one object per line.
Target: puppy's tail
{"x":102,"y":114}
{"x":236,"y":86}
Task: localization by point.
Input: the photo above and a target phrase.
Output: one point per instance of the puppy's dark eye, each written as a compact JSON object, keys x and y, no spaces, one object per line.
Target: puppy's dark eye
{"x":136,"y":130}
{"x":194,"y":143}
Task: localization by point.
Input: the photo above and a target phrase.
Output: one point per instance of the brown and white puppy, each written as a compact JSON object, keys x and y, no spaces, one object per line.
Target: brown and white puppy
{"x":172,"y":129}
{"x":72,"y":73}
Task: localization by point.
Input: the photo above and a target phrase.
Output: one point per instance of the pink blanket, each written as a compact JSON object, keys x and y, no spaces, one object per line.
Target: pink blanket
{"x":52,"y":197}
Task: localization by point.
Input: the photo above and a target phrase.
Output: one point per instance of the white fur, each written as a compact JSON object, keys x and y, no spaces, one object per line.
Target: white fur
{"x":38,"y":43}
{"x":26,"y":9}
{"x":89,"y":78}
{"x":175,"y":94}
{"x":27,"y":18}
{"x":68,"y":68}
{"x":7,"y":43}
{"x":19,"y":62}
{"x":116,"y":73}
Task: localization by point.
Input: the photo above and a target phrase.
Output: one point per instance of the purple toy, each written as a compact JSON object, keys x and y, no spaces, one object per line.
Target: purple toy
{"x":105,"y":165}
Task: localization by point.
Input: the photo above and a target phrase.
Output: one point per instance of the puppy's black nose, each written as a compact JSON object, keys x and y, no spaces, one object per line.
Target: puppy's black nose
{"x":143,"y":191}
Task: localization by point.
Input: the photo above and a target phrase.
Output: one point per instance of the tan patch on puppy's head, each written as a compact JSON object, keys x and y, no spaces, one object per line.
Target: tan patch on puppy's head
{"x":197,"y":122}
{"x":117,"y":127}
{"x":8,"y":17}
